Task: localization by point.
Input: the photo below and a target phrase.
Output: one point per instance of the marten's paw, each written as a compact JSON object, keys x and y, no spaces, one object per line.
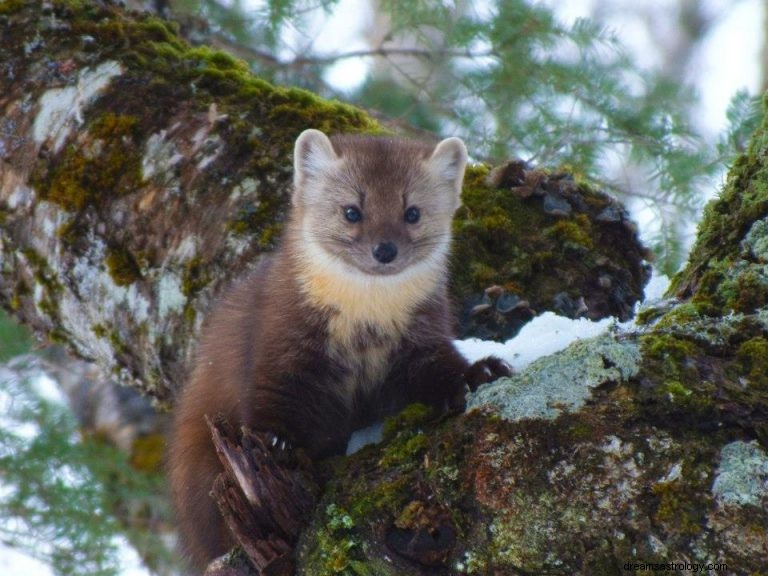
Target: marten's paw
{"x":281,"y":449}
{"x":277,"y":443}
{"x":485,"y":370}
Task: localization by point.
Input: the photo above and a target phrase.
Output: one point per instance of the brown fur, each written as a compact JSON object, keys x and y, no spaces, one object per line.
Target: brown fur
{"x":313,"y":344}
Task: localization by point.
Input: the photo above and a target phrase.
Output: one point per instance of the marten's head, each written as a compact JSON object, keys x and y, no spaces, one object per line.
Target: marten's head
{"x":376,"y":206}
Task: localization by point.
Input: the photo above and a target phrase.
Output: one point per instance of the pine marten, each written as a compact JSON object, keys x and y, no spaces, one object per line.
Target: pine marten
{"x":346,"y":322}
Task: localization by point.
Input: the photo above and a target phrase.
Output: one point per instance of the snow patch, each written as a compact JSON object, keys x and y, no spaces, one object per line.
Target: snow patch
{"x":542,"y":336}
{"x":656,"y":288}
{"x":61,"y":109}
{"x":365,"y":436}
{"x":14,"y":561}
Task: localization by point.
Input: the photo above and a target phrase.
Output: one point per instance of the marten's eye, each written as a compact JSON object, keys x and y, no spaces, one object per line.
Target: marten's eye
{"x":412,"y":215}
{"x":353,"y":214}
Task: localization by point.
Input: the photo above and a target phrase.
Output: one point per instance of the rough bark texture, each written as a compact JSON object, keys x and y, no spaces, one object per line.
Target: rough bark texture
{"x":139,"y":175}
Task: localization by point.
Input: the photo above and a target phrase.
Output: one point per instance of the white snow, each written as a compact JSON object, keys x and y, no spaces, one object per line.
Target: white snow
{"x":542,"y":336}
{"x":550,"y":333}
{"x":15,"y":562}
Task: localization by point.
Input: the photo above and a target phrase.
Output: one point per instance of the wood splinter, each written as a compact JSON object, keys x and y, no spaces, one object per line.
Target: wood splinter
{"x":265,"y":497}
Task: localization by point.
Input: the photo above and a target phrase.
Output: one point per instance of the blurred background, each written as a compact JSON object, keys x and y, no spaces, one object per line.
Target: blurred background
{"x":649,"y":100}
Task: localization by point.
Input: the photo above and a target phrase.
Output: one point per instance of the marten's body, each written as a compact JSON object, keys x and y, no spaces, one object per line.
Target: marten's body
{"x":346,"y":322}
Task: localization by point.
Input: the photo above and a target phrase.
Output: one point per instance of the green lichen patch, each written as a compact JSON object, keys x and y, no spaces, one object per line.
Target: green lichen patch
{"x":756,"y":240}
{"x":742,"y":475}
{"x":561,"y":382}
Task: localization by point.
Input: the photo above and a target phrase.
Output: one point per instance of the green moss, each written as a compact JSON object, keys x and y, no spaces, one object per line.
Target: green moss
{"x":674,"y":354}
{"x":338,"y":550}
{"x":398,"y":453}
{"x":10,"y":6}
{"x":48,"y":303}
{"x":15,"y":303}
{"x":99,"y":330}
{"x":20,"y":291}
{"x":575,"y":233}
{"x":42,"y":273}
{"x":506,"y":235}
{"x":408,"y":419}
{"x":122,"y":267}
{"x":580,"y":431}
{"x":69,"y":232}
{"x":753,"y":358}
{"x":195,"y":277}
{"x":109,"y":164}
{"x":679,"y":508}
{"x":747,"y":292}
{"x":679,"y":315}
{"x":385,"y":498}
{"x":59,"y":336}
{"x":117,"y":343}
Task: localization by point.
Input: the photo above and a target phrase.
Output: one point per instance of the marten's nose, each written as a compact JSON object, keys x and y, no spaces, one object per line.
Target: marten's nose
{"x":385,"y":252}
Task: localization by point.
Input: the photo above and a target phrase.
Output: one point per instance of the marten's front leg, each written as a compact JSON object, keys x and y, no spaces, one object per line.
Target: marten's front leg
{"x":437,"y":375}
{"x":299,"y":410}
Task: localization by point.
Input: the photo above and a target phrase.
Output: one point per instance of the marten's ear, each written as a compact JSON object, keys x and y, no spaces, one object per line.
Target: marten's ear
{"x":312,"y":155}
{"x":448,"y":162}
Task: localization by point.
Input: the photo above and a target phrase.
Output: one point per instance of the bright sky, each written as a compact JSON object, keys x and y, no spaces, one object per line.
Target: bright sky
{"x":727,"y":61}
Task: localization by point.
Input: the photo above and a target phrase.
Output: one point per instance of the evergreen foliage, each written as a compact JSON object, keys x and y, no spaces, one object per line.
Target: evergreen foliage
{"x":514,"y":81}
{"x":66,"y":499}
